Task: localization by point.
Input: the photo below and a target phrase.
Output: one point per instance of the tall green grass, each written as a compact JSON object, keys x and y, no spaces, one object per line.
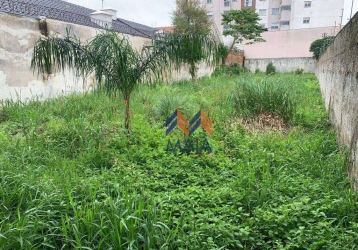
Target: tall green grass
{"x":69,"y":180}
{"x":265,"y":95}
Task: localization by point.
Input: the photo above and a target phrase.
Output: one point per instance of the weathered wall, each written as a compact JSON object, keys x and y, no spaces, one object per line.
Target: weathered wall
{"x":308,"y":64}
{"x":287,"y":44}
{"x":337,"y":71}
{"x":18,"y":35}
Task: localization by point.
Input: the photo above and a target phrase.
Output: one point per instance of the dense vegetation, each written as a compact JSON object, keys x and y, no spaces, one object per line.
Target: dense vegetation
{"x":319,"y":46}
{"x":69,"y":179}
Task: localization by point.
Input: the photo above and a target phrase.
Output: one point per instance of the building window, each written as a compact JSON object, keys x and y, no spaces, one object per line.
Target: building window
{"x":306,"y":20}
{"x":248,"y":3}
{"x":234,"y":0}
{"x":307,"y":4}
{"x":226,"y":3}
{"x":210,"y":13}
{"x":285,"y":23}
{"x":226,"y":11}
{"x":274,"y":25}
{"x":209,"y":1}
{"x":262,"y":12}
{"x":286,"y":7}
{"x":275,"y":11}
{"x":226,"y":27}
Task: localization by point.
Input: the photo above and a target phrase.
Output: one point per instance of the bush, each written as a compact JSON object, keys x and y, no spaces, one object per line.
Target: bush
{"x":299,"y":71}
{"x":319,"y":46}
{"x":231,"y":70}
{"x":257,"y":71}
{"x":274,"y":97}
{"x":270,"y":69}
{"x":223,"y":51}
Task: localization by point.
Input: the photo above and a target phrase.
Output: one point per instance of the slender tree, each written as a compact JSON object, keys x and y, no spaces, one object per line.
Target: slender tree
{"x":190,"y":19}
{"x":113,"y":61}
{"x":243,"y":25}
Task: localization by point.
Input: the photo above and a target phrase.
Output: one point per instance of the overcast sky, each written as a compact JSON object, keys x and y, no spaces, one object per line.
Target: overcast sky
{"x":154,"y":13}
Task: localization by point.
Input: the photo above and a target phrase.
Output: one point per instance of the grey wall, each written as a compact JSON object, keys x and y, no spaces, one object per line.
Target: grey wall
{"x":337,"y":71}
{"x":283,"y":64}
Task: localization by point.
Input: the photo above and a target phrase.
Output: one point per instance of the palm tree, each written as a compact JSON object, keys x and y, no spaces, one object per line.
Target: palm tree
{"x":113,"y":61}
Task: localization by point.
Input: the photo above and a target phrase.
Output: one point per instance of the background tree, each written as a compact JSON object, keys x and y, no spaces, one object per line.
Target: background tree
{"x":190,"y":19}
{"x":113,"y":61}
{"x":319,"y":46}
{"x":243,"y":25}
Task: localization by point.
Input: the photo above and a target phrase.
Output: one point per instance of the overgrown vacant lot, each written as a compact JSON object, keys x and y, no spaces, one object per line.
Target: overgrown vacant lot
{"x":71,"y":178}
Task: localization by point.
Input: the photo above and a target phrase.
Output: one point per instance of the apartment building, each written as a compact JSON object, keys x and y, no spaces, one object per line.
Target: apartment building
{"x":283,"y":14}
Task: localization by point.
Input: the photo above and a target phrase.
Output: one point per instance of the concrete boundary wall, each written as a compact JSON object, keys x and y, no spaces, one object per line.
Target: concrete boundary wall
{"x":18,"y":35}
{"x":291,"y":43}
{"x":337,"y":71}
{"x":283,"y":65}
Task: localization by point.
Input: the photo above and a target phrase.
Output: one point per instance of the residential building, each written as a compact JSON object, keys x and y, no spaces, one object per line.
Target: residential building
{"x":279,"y":15}
{"x":316,"y":13}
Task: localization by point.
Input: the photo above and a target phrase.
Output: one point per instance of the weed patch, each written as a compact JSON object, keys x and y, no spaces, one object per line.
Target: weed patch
{"x":69,"y":180}
{"x":264,"y":96}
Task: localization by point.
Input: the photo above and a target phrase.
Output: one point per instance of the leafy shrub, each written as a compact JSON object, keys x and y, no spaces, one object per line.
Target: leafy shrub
{"x":319,"y":46}
{"x":268,"y":96}
{"x":270,"y":69}
{"x":257,"y":71}
{"x":223,"y":51}
{"x":231,"y":70}
{"x":299,"y":71}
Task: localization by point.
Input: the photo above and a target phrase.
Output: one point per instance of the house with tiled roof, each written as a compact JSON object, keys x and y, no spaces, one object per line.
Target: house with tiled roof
{"x":72,"y":13}
{"x":22,"y":24}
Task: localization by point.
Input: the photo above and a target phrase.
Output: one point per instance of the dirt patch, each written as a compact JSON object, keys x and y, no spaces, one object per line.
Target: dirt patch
{"x":265,"y":123}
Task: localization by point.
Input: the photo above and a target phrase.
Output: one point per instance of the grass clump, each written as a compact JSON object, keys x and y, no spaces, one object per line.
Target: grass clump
{"x":233,"y":69}
{"x":270,"y":96}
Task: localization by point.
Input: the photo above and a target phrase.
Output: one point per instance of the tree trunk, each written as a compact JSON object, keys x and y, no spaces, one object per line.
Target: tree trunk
{"x":192,"y":71}
{"x":233,"y":43}
{"x":127,"y":115}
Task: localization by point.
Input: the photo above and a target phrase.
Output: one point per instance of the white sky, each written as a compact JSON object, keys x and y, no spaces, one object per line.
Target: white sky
{"x":155,"y":13}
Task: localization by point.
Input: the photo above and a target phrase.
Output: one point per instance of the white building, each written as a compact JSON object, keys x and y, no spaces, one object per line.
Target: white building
{"x":286,"y":14}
